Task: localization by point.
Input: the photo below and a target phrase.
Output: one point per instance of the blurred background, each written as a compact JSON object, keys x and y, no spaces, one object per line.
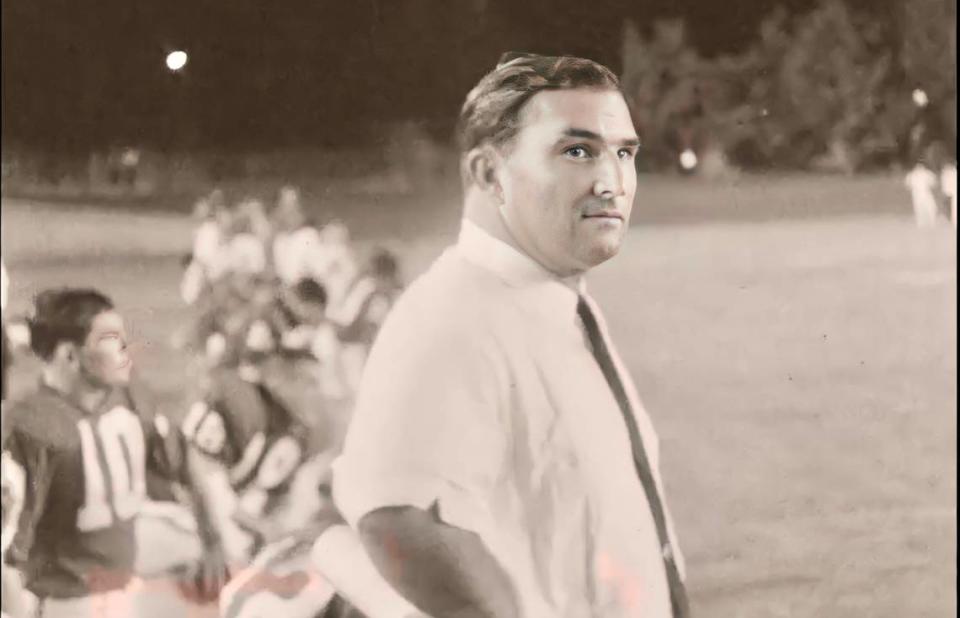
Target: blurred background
{"x":154,"y":98}
{"x":792,"y":330}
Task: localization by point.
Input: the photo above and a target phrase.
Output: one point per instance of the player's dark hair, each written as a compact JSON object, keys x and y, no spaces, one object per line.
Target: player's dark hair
{"x":492,"y":109}
{"x":310,"y":291}
{"x":64,"y":314}
{"x":384,"y":264}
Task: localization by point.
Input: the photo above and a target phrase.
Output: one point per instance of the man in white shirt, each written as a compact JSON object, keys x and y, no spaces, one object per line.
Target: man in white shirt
{"x":499,"y":462}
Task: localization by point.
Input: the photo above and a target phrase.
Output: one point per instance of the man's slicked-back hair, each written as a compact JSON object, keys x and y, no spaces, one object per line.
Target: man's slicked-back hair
{"x":64,"y":315}
{"x":492,"y":109}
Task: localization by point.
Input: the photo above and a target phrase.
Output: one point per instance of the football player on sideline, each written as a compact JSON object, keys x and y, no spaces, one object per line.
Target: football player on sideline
{"x":363,"y":311}
{"x":84,"y":441}
{"x":265,"y":421}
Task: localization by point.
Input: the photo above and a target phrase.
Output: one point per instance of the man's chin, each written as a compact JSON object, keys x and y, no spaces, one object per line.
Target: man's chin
{"x":601,"y":251}
{"x":122,"y":378}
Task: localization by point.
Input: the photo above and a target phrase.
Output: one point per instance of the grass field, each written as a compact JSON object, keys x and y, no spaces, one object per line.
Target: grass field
{"x":800,"y":370}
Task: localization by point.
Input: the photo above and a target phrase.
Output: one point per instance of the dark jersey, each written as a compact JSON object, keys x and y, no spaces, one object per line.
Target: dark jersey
{"x":85,"y":479}
{"x":259,"y":434}
{"x":364,"y":310}
{"x":269,"y":434}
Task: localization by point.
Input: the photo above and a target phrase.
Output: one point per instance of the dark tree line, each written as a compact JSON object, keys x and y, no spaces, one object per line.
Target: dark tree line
{"x":833,"y":87}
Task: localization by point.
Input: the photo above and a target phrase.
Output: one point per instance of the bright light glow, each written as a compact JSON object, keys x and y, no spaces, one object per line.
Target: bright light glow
{"x":688,"y":159}
{"x":176,"y":60}
{"x":920,"y":98}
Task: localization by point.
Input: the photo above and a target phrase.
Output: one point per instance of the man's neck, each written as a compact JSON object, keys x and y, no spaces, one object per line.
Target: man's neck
{"x":480,"y":211}
{"x":87,"y":397}
{"x":486,"y":215}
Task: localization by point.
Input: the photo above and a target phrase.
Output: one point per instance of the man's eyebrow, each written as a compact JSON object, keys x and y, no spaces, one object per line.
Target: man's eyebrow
{"x":591,"y":135}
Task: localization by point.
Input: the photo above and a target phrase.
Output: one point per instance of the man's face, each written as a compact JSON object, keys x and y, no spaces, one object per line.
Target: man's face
{"x":104,"y":356}
{"x":568,"y":178}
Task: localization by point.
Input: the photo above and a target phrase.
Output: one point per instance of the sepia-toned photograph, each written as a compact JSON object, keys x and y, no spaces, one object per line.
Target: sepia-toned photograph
{"x":479,"y":309}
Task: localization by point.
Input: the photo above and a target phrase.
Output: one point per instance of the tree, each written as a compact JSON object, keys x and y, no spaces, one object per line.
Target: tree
{"x":928,"y":57}
{"x":746,"y":111}
{"x":813,"y":91}
{"x":835,"y":78}
{"x":662,"y":81}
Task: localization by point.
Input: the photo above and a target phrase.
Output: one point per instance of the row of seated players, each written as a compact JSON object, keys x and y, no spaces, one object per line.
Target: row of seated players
{"x":261,"y":425}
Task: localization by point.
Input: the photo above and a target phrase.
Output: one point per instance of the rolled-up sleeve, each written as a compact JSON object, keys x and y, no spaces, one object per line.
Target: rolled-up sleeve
{"x":428,"y":426}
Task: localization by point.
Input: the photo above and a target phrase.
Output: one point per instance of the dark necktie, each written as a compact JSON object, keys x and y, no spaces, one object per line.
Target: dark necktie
{"x":678,"y":594}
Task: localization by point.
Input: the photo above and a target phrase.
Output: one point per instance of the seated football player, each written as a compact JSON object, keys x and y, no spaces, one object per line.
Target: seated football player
{"x":84,"y":442}
{"x":265,"y":421}
{"x":359,"y":317}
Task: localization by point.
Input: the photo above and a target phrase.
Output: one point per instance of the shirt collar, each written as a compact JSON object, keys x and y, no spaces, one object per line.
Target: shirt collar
{"x":551,"y":294}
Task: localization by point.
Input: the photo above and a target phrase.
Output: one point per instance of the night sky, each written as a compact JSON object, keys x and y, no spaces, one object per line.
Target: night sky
{"x":297,"y":72}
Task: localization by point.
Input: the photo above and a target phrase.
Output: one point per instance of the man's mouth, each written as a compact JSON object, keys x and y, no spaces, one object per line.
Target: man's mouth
{"x":604,"y":214}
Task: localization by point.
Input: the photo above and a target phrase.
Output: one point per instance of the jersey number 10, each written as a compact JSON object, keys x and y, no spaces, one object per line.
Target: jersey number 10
{"x":124,"y":457}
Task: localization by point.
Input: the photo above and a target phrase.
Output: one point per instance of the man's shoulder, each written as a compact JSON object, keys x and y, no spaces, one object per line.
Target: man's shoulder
{"x":452,"y":315}
{"x":451,"y":292}
{"x":139,"y":399}
{"x":239,"y":402}
{"x":41,"y":417}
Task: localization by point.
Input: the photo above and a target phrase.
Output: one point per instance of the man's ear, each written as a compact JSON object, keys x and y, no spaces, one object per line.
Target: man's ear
{"x":66,"y":353}
{"x":483,"y":166}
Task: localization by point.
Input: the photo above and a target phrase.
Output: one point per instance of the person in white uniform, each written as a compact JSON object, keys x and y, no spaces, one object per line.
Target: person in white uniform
{"x":922,"y":183}
{"x":499,"y":462}
{"x":297,"y":246}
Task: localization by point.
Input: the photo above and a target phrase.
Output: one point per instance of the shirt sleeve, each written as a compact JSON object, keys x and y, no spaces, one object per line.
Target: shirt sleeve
{"x":28,"y":472}
{"x":428,"y":427}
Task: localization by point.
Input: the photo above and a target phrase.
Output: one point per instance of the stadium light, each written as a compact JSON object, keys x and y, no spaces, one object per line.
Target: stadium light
{"x":176,"y":60}
{"x":920,"y":98}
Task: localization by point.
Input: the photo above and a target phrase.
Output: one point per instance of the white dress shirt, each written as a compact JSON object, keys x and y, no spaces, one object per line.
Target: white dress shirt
{"x":481,"y":395}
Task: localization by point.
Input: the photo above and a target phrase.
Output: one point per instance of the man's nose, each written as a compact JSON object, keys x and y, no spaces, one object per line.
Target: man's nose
{"x":609,"y":182}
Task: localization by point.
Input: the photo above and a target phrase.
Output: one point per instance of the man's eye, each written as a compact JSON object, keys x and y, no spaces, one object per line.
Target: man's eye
{"x":577,"y":152}
{"x":626,"y":154}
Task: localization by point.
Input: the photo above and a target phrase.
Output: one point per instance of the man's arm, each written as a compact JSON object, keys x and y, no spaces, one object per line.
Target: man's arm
{"x":213,"y":570}
{"x":174,"y":458}
{"x":443,"y":570}
{"x":26,"y":473}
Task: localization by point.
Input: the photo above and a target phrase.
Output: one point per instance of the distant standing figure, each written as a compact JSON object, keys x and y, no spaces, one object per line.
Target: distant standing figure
{"x":922,"y":182}
{"x":296,"y":244}
{"x":948,"y":184}
{"x":245,"y":248}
